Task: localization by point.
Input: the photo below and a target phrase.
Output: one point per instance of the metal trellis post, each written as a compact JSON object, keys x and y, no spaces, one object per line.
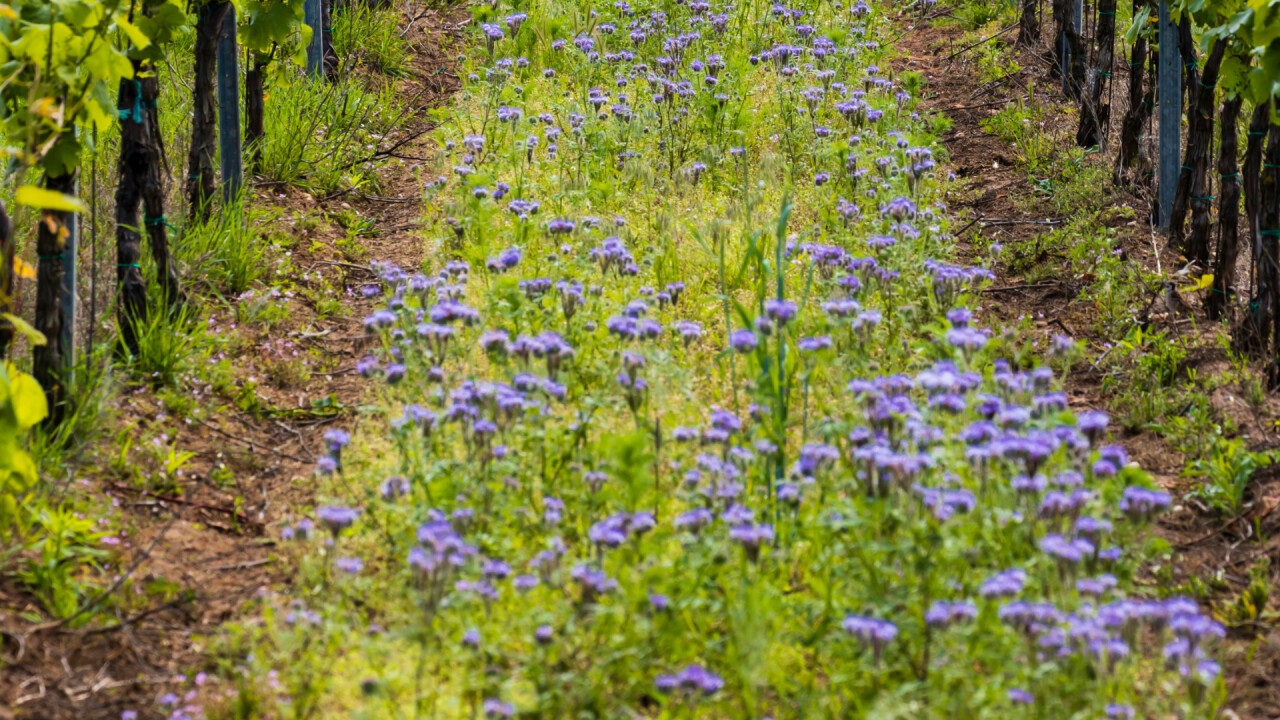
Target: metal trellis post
{"x":229,"y":107}
{"x":315,"y":48}
{"x":1170,"y":99}
{"x":68,"y":293}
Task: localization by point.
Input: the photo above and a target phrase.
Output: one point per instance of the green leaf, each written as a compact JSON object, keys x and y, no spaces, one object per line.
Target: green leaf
{"x":38,"y":197}
{"x":1139,"y":23}
{"x":34,"y":336}
{"x":136,"y":36}
{"x":28,"y":401}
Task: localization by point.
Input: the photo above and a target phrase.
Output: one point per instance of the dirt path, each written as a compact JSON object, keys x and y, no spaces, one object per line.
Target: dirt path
{"x":999,"y":198}
{"x":213,"y":543}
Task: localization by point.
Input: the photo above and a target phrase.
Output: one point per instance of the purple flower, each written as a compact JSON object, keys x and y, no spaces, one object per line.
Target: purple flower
{"x":1141,"y":504}
{"x":871,"y":632}
{"x":593,"y":582}
{"x":944,"y":614}
{"x":394,"y":373}
{"x":1093,"y":425}
{"x":560,"y":226}
{"x":1067,"y":551}
{"x":326,"y":465}
{"x":1004,"y":584}
{"x":695,"y":680}
{"x":1096,"y":586}
{"x":743,"y":341}
{"x":1018,"y":696}
{"x":471,"y":638}
{"x":751,"y":537}
{"x":337,"y":518}
{"x":349,"y":565}
{"x":336,"y":439}
{"x":780,"y":311}
{"x":694,"y":520}
{"x":394,"y":487}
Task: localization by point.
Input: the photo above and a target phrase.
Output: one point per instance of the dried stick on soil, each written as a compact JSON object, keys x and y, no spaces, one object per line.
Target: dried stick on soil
{"x":987,"y":39}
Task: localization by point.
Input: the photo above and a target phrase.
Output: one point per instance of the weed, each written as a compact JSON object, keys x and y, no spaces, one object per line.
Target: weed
{"x":262,"y":308}
{"x":1022,"y":126}
{"x":319,"y":135}
{"x":66,"y":542}
{"x":171,"y":341}
{"x":371,"y":36}
{"x":982,"y":13}
{"x":1251,"y":603}
{"x":228,"y":250}
{"x":1225,"y":473}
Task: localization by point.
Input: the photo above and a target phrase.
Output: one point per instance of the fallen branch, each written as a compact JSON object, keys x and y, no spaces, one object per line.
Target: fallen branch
{"x":180,"y":600}
{"x":236,"y":514}
{"x":987,"y":39}
{"x":979,"y":105}
{"x":966,"y":227}
{"x":379,"y":198}
{"x":244,"y":565}
{"x":998,"y":223}
{"x":1022,"y":286}
{"x":248,"y":442}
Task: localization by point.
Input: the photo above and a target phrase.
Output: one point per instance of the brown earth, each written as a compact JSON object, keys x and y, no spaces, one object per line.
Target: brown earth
{"x":999,"y":198}
{"x":209,"y":545}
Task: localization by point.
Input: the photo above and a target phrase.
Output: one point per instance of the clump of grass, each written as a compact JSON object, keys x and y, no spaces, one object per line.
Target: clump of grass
{"x":324,"y":135}
{"x":229,"y":251}
{"x":1022,"y":126}
{"x":172,"y":341}
{"x":368,"y":36}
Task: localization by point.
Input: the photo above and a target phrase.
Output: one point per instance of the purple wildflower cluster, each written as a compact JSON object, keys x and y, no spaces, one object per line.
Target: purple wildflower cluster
{"x":563,"y":466}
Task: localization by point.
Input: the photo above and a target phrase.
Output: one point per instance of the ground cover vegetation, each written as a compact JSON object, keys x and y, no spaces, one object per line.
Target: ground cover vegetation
{"x":1077,"y":254}
{"x":699,"y":424}
{"x":685,"y":407}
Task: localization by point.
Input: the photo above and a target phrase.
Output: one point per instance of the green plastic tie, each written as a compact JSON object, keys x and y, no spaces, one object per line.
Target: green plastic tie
{"x":1188,"y":168}
{"x":1103,"y":73}
{"x":134,"y":113}
{"x":159,"y":222}
{"x":1107,"y":12}
{"x":1273,"y":232}
{"x":1204,"y":198}
{"x":128,"y":265}
{"x":1261,"y":133}
{"x":1271,"y":166}
{"x":1218,"y":291}
{"x":55,"y":256}
{"x":1230,"y":174}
